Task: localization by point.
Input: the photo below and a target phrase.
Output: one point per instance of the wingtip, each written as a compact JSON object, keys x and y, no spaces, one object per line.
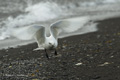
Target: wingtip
{"x":38,"y":49}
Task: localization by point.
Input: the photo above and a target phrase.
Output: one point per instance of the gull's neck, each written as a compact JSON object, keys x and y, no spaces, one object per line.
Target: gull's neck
{"x":51,"y":37}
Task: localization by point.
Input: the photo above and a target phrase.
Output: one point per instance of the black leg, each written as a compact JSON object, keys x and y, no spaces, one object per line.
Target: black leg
{"x":55,"y":52}
{"x":46,"y":54}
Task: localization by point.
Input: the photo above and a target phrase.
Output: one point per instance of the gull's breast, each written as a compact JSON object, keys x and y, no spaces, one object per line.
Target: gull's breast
{"x":50,"y":47}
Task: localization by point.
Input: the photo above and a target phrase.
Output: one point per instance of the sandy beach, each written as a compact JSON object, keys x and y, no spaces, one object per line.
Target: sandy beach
{"x":92,"y":56}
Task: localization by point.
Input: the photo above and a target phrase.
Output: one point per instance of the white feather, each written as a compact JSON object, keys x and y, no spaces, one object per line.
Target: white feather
{"x":68,"y":25}
{"x":25,"y":33}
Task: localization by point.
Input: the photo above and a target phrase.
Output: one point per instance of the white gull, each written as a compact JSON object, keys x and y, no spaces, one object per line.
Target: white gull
{"x":57,"y":30}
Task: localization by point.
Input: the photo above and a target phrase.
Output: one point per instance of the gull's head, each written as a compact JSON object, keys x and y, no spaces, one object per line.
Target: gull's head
{"x":51,"y":45}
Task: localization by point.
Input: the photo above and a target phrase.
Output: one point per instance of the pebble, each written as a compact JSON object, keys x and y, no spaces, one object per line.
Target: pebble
{"x":35,"y":79}
{"x":10,"y":66}
{"x":78,"y":64}
{"x":106,"y":63}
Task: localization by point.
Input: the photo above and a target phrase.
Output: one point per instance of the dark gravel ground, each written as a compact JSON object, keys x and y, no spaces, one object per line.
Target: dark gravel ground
{"x":93,"y":56}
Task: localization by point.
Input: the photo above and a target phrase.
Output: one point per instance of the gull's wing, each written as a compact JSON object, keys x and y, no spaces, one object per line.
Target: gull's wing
{"x":40,"y":36}
{"x":29,"y":32}
{"x":68,"y":26}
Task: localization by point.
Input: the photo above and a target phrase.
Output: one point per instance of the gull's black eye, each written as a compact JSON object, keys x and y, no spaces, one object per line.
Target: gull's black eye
{"x":49,"y":43}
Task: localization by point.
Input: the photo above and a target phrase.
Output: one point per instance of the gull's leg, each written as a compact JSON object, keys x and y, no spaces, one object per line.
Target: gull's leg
{"x":55,"y":52}
{"x":46,"y":54}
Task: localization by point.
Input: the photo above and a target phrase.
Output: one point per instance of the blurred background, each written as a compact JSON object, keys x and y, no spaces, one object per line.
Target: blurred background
{"x":18,"y":13}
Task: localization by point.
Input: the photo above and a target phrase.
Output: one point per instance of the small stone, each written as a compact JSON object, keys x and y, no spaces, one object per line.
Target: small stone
{"x":78,"y":64}
{"x":111,"y":56}
{"x":35,"y":79}
{"x":98,"y":36}
{"x":118,"y":33}
{"x":37,"y":70}
{"x":64,"y":47}
{"x":106,"y":63}
{"x":118,"y":66}
{"x":40,"y":64}
{"x":109,"y":41}
{"x":22,"y":51}
{"x":32,"y":74}
{"x":10,"y":66}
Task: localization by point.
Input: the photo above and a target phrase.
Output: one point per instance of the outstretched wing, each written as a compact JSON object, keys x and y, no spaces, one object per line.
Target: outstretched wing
{"x":29,"y":32}
{"x":40,"y":36}
{"x":68,"y":26}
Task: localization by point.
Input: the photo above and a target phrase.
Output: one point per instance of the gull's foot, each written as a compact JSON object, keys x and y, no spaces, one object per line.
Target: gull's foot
{"x":46,"y":54}
{"x":55,"y":52}
{"x":58,"y":55}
